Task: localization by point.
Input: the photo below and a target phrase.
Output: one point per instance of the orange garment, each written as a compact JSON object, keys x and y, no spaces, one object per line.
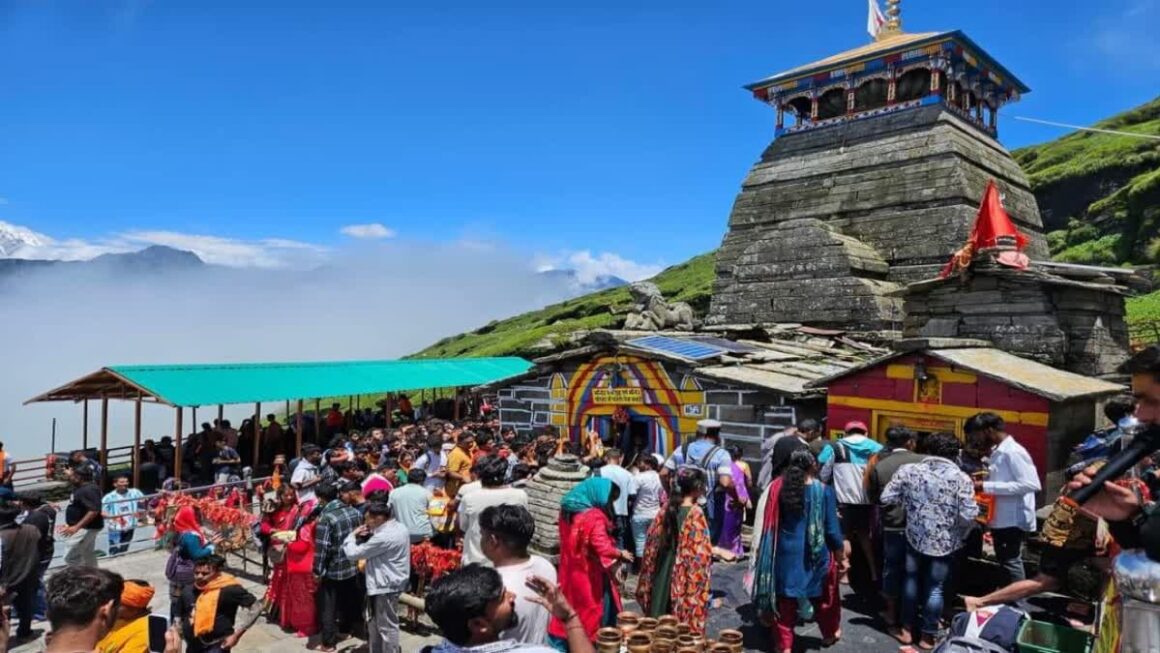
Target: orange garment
{"x":205,"y":609}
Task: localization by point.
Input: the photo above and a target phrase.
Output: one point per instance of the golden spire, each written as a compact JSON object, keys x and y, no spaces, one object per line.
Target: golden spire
{"x":893,"y":26}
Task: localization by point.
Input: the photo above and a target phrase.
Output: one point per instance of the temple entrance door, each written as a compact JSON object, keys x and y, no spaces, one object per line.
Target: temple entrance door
{"x":919,"y":423}
{"x":639,"y":430}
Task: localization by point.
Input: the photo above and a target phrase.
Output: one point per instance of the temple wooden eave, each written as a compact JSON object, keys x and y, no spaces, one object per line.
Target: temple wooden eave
{"x":895,"y":45}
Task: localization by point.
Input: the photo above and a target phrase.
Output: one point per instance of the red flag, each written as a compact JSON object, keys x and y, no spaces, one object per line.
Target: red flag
{"x":993,"y":228}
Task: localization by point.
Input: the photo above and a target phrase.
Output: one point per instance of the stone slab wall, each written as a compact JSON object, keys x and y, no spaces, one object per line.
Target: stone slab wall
{"x":1078,"y":329}
{"x":899,"y":191}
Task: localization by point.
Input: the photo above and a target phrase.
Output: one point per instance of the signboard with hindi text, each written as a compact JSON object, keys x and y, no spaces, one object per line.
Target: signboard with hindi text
{"x":619,"y":396}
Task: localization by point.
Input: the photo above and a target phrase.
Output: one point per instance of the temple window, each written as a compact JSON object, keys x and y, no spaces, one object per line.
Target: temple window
{"x":832,"y":104}
{"x":914,"y":84}
{"x":871,"y":95}
{"x":799,"y":108}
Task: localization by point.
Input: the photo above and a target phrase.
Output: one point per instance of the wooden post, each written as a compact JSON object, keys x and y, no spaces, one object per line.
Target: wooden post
{"x":257,"y":434}
{"x":194,"y":424}
{"x":456,"y":401}
{"x":388,"y":408}
{"x":298,"y":432}
{"x":221,"y":414}
{"x":85,"y":427}
{"x":104,"y":455}
{"x":317,"y":420}
{"x":177,"y":448}
{"x":137,"y":441}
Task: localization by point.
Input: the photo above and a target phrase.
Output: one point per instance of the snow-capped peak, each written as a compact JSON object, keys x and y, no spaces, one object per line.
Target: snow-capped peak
{"x":13,"y":238}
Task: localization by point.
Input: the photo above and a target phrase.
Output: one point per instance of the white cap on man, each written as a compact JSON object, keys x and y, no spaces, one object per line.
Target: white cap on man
{"x":709,"y":427}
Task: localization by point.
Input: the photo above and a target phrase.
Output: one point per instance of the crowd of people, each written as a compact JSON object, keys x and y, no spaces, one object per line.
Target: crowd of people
{"x":895,"y":521}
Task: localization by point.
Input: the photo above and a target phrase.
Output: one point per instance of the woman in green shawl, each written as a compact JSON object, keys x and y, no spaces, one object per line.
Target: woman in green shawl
{"x":589,"y":557}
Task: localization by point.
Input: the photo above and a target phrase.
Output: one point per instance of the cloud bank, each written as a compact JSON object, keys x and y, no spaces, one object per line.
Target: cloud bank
{"x":381,"y":301}
{"x":372,"y":231}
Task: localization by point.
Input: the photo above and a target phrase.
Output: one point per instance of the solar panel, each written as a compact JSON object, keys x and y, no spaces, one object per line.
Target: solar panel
{"x":690,"y":349}
{"x":727,"y":345}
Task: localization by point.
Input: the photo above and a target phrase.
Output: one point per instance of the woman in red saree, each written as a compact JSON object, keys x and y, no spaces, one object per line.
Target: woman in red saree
{"x":589,"y":558}
{"x":291,"y":589}
{"x":674,"y":578}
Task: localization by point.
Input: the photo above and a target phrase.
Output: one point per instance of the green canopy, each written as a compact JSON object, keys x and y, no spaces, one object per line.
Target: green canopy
{"x":238,"y":383}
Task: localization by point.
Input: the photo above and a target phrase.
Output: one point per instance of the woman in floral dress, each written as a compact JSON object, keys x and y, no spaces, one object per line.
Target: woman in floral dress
{"x":678,"y":584}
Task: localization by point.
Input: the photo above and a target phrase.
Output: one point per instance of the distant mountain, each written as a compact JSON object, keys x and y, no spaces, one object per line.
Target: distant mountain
{"x":570,"y":277}
{"x":154,"y":259}
{"x":13,"y":238}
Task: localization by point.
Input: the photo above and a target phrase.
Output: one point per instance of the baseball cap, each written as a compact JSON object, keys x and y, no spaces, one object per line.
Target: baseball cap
{"x":856,"y":426}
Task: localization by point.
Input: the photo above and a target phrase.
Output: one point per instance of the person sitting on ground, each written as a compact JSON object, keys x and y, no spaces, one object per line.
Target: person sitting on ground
{"x":472,"y":607}
{"x":82,"y":607}
{"x":506,"y":533}
{"x":130,"y":633}
{"x":216,"y":599}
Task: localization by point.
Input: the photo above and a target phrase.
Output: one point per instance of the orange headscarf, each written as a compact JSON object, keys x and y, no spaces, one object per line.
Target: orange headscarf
{"x":185,"y":521}
{"x":137,"y":594}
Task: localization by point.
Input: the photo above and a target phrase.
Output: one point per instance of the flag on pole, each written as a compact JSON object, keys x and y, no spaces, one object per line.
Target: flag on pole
{"x":875,"y":21}
{"x":993,"y":229}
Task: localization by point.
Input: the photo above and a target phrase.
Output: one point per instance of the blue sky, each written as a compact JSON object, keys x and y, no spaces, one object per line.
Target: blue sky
{"x":614,"y":128}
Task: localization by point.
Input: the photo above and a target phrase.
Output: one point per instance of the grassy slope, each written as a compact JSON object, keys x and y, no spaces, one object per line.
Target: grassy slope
{"x":691,"y":281}
{"x":1100,"y":193}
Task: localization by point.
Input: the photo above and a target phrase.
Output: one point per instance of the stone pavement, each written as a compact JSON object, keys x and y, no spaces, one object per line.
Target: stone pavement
{"x":262,"y":638}
{"x":861,"y":630}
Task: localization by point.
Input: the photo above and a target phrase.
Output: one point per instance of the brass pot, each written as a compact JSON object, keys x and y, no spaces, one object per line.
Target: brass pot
{"x":684,"y":629}
{"x":667,"y":620}
{"x":609,"y":635}
{"x":627,"y":622}
{"x":686,"y":641}
{"x":720,"y":647}
{"x":688,"y":649}
{"x":662,"y":646}
{"x":665,"y":631}
{"x":733,"y":638}
{"x":639,"y":642}
{"x":646,"y":624}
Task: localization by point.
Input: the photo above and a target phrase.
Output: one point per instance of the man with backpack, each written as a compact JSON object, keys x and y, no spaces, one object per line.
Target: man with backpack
{"x":706,"y":454}
{"x":844,"y":466}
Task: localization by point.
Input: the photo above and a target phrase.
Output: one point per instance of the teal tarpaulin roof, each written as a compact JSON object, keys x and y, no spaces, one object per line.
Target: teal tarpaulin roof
{"x":238,"y":383}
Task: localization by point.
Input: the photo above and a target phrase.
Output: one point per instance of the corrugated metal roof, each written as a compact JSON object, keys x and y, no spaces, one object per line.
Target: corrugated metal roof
{"x":236,"y":383}
{"x":1027,"y":374}
{"x":1023,"y":373}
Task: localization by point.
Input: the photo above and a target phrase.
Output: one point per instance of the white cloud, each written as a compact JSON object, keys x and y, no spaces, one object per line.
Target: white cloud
{"x":372,"y":231}
{"x":590,"y":268}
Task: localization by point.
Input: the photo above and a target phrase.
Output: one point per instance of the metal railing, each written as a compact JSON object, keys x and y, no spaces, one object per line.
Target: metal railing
{"x":31,"y":471}
{"x":146,"y":533}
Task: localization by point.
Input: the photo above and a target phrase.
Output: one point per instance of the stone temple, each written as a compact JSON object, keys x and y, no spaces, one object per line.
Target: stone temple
{"x":872,"y":181}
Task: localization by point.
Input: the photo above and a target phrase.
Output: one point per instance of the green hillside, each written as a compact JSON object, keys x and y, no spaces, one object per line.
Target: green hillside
{"x":1099,"y":194}
{"x":691,"y":281}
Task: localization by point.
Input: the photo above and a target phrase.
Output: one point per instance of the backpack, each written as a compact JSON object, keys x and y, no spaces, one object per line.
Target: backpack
{"x":703,"y":465}
{"x":998,"y":625}
{"x":847,"y":477}
{"x":959,"y":644}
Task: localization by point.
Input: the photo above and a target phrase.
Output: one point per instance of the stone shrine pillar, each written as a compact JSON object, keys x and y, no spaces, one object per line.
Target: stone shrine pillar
{"x":545,"y":492}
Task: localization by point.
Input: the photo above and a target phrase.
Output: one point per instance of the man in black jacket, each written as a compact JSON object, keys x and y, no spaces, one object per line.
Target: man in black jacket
{"x":43,"y":516}
{"x":20,"y":544}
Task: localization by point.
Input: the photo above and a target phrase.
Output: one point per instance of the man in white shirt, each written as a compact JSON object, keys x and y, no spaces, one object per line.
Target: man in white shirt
{"x":492,"y":472}
{"x":623,"y":480}
{"x":306,"y":474}
{"x":433,"y":462}
{"x":505,"y":533}
{"x":1013,"y":480}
